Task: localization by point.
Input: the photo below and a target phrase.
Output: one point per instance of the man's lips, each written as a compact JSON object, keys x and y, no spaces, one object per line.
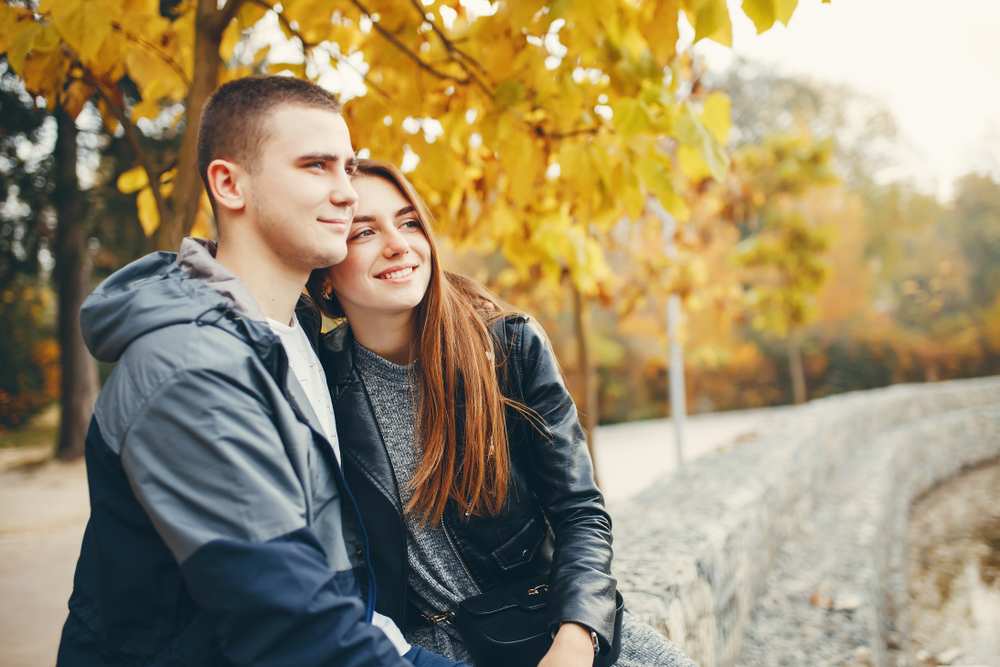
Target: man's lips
{"x":334,"y":221}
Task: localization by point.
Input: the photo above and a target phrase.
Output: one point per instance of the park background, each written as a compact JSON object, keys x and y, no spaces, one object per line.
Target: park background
{"x":823,"y":198}
{"x":816,"y":185}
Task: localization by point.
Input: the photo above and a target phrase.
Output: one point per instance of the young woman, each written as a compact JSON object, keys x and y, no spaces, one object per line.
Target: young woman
{"x":460,"y":442}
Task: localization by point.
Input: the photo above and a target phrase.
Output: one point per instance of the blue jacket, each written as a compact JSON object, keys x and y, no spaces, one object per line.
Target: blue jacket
{"x":221,"y":530}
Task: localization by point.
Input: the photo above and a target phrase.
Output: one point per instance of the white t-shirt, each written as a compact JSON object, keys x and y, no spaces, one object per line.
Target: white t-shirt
{"x":307,"y":370}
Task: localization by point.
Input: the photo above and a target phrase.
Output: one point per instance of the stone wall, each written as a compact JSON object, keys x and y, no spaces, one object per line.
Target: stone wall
{"x":694,"y":551}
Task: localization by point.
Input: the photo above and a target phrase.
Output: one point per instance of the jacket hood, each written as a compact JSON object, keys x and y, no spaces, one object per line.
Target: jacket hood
{"x":160,"y":290}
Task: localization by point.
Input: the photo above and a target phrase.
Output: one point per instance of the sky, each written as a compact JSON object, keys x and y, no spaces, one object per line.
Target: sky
{"x":935,"y":65}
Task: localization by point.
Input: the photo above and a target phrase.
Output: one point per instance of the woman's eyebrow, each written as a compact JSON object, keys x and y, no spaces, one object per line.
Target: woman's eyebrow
{"x":404,"y":211}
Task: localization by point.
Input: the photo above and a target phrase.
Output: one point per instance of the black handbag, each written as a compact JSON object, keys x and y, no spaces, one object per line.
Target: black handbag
{"x":508,"y":626}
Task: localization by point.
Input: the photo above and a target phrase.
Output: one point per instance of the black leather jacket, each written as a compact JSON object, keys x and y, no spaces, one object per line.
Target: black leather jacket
{"x":554,"y":518}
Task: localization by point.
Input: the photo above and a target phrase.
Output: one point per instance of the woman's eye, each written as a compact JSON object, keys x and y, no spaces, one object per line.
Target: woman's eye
{"x":412,"y":224}
{"x":363,"y":233}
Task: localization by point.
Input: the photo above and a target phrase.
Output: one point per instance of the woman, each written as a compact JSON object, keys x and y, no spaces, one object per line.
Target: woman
{"x":460,"y":442}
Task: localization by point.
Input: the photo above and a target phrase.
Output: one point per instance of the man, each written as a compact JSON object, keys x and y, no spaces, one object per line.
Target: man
{"x":221,"y":530}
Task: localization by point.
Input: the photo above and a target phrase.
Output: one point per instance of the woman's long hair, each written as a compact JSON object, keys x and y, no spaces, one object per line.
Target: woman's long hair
{"x":457,"y":379}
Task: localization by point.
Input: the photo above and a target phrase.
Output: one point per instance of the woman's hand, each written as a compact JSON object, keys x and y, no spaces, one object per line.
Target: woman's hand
{"x":572,"y":647}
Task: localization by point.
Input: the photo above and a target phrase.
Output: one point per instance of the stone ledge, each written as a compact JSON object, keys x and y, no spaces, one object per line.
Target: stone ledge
{"x":695,"y":565}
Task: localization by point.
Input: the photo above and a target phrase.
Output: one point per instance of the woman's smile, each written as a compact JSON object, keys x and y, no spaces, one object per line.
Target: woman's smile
{"x":388,"y":264}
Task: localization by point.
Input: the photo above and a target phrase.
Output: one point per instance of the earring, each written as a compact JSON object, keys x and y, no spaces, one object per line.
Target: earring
{"x":328,"y":295}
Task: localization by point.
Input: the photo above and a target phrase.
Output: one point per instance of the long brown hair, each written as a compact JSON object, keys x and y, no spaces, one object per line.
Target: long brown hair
{"x":457,"y":375}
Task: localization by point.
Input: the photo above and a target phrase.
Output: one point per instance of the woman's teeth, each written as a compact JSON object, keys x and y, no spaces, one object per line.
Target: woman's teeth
{"x":402,"y":273}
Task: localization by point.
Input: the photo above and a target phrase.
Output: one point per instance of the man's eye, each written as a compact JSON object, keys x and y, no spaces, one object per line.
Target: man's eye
{"x":319,"y":165}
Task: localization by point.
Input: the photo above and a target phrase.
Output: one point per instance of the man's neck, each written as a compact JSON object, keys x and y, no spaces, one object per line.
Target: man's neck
{"x":275,"y":288}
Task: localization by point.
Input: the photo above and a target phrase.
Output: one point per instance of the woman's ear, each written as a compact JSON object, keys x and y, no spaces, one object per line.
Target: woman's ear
{"x":226,"y":181}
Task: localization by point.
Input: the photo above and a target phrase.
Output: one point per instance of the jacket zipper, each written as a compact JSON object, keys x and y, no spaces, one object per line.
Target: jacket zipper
{"x":461,"y":562}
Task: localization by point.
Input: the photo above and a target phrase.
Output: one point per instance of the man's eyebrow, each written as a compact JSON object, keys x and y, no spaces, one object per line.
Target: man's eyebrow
{"x":328,"y":157}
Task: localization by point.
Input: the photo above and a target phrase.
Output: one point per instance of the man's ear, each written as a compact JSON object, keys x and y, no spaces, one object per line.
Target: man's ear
{"x":227,"y":182}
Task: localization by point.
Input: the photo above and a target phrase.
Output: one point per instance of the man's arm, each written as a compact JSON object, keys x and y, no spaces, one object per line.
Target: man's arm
{"x":208,"y":464}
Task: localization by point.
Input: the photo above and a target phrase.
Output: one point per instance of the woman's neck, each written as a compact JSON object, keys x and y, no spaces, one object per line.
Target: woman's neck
{"x":390,"y":337}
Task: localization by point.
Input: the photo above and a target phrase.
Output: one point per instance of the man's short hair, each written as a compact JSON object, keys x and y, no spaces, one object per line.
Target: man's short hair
{"x":234,"y":119}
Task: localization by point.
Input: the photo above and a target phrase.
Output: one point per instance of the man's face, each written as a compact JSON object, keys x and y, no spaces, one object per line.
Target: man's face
{"x":300,"y":200}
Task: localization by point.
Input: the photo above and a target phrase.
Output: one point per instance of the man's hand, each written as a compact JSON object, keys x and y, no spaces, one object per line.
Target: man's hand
{"x":572,"y":647}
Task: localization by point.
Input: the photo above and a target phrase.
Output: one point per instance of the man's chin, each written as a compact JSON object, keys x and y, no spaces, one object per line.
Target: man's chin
{"x":332,"y":257}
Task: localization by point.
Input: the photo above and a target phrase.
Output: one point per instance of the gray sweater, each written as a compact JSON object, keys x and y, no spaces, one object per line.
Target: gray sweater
{"x":436,"y":575}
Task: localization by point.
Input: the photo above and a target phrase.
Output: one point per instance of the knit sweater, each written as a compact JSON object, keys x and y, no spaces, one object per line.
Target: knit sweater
{"x":436,"y":575}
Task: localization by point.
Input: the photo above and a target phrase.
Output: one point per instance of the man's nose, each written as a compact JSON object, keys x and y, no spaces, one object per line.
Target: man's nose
{"x":342,"y":193}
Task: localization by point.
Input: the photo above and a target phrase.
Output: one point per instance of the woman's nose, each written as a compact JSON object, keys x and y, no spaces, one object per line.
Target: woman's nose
{"x":395,"y":243}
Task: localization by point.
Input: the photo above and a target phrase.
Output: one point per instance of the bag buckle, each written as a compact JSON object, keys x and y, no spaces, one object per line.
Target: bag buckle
{"x":538,"y":589}
{"x":434,"y":620}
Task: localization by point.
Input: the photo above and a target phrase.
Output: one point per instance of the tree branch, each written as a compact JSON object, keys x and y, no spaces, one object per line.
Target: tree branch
{"x":218,"y":21}
{"x":152,"y":174}
{"x":457,"y":54}
{"x":307,"y":46}
{"x":413,"y":56}
{"x":166,"y":58}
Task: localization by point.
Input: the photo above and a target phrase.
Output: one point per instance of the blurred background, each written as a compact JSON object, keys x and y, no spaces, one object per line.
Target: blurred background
{"x":822,"y":200}
{"x":771,"y":201}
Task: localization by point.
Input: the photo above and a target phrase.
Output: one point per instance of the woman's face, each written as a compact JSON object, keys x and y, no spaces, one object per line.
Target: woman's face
{"x":388,"y":264}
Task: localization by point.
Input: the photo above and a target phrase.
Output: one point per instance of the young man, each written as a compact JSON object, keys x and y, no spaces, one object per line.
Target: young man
{"x":221,"y":530}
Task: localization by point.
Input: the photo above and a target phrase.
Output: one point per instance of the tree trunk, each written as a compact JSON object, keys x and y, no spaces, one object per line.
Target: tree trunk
{"x":591,"y":409}
{"x":187,"y":183}
{"x":795,"y":368}
{"x":79,"y":385}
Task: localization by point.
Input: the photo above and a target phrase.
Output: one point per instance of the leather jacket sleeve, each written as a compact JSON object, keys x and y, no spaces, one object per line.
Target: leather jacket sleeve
{"x":581,"y":588}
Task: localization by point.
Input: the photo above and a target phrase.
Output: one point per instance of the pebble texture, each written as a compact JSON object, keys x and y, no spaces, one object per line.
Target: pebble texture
{"x":728,"y":562}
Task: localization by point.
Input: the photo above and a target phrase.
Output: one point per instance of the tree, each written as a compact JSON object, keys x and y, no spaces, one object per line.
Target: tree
{"x":537,"y":125}
{"x":785,"y":250}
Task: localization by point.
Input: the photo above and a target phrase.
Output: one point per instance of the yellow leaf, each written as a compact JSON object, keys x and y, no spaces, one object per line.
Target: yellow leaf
{"x":659,"y":25}
{"x":77,"y":94}
{"x":764,"y":13}
{"x":84,"y":25}
{"x":132,"y":180}
{"x":21,"y":43}
{"x":230,"y":38}
{"x":44,"y":74}
{"x":202,"y":227}
{"x":146,"y":109}
{"x":692,"y":165}
{"x":710,"y":19}
{"x":149,"y":215}
{"x":715,"y":115}
{"x":630,"y":117}
{"x":298,"y":70}
{"x":656,"y":179}
{"x":155,"y":78}
{"x":691,"y":132}
{"x":45,"y":40}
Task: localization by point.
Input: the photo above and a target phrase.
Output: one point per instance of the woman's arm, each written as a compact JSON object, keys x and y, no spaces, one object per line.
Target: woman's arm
{"x":581,"y":588}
